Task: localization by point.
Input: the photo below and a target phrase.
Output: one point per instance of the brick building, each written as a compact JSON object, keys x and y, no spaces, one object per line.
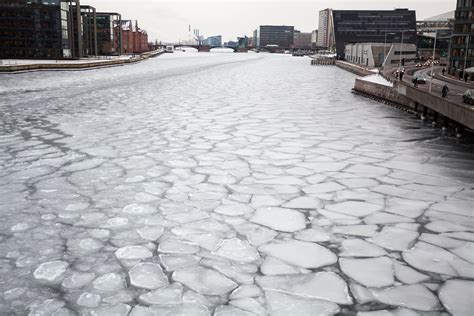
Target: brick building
{"x":134,"y":39}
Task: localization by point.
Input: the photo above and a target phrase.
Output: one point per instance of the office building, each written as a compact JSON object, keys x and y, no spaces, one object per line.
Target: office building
{"x":86,"y":39}
{"x":374,"y":54}
{"x":134,"y":39}
{"x":314,"y":39}
{"x":462,"y":42}
{"x":256,"y":39}
{"x":326,"y":30}
{"x":109,"y":33}
{"x":301,"y":40}
{"x":280,"y":36}
{"x":39,"y":29}
{"x":395,"y":26}
{"x":213,"y":41}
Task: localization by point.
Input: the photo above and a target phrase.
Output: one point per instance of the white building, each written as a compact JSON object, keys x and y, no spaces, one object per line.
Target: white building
{"x":373,"y":54}
{"x":326,"y":29}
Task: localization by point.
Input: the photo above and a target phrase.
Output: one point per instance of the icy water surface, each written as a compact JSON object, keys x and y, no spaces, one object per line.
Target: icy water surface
{"x":226,"y":184}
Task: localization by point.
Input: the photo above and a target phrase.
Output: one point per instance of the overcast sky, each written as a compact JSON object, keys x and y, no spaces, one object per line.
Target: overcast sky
{"x":168,"y":20}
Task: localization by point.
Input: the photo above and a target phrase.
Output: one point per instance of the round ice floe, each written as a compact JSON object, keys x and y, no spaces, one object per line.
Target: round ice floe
{"x":90,"y":244}
{"x":77,"y":280}
{"x":147,"y":276}
{"x":457,"y":297}
{"x":302,"y":254}
{"x":204,"y":281}
{"x":51,"y":272}
{"x":117,"y":222}
{"x":150,"y":233}
{"x":133,"y":253}
{"x":89,"y":300}
{"x":281,"y":219}
{"x":20,"y":227}
{"x":109,"y":282}
{"x":139,"y":209}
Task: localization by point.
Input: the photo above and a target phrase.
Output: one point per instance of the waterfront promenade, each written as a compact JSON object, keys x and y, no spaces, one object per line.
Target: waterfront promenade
{"x":227,"y":184}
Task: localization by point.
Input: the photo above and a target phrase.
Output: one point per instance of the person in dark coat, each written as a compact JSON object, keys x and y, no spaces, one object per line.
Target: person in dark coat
{"x":444,"y":91}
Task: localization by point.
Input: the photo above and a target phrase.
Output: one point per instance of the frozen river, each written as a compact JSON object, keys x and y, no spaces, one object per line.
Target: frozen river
{"x":227,"y":184}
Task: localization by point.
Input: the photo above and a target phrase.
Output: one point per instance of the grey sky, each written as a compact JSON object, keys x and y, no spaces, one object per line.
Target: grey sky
{"x":168,"y":21}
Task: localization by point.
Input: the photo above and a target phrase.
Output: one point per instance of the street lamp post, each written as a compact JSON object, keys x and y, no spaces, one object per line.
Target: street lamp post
{"x":401,"y":52}
{"x":465,"y":58}
{"x":433,"y":59}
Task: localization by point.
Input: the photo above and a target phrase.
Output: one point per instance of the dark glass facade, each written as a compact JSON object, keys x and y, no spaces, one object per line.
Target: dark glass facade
{"x":279,"y":35}
{"x":36,"y":29}
{"x":85,"y":40}
{"x":462,"y":42}
{"x":109,"y":33}
{"x":372,"y":26}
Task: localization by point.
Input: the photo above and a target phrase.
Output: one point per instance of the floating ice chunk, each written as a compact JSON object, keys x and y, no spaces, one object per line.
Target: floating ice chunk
{"x":354,"y":208}
{"x":322,"y":285}
{"x":314,"y":234}
{"x":387,"y":218}
{"x":393,"y":238}
{"x":280,"y":304}
{"x":266,"y":200}
{"x":109,"y":282}
{"x":373,"y":272}
{"x":377,"y":313}
{"x":261,"y":235}
{"x":303,"y":202}
{"x":51,"y":272}
{"x":234,"y":209}
{"x":442,"y":226}
{"x":408,"y":275}
{"x":112,"y":310}
{"x":90,"y":244}
{"x":77,"y":280}
{"x":405,"y":207}
{"x":430,"y":258}
{"x":325,"y":187}
{"x":20,"y":227}
{"x":204,"y":281}
{"x":147,"y":275}
{"x":356,"y":230}
{"x":139,"y":209}
{"x":237,"y":250}
{"x":187,"y":217}
{"x":457,"y":297}
{"x":168,"y":295}
{"x":150,"y":233}
{"x":133,"y":253}
{"x":236,"y":272}
{"x":249,"y":304}
{"x":177,"y":247}
{"x":441,"y":241}
{"x":361,"y":293}
{"x":145,"y":197}
{"x":228,"y":310}
{"x":460,"y":235}
{"x":245,"y":291}
{"x":302,"y":254}
{"x":465,"y":251}
{"x":360,"y":248}
{"x":340,"y":218}
{"x":116,"y":222}
{"x":273,"y":266}
{"x":459,"y":207}
{"x":89,"y":300}
{"x":184,"y":309}
{"x":281,"y":219}
{"x":414,"y":296}
{"x":209,"y":241}
{"x":47,"y":307}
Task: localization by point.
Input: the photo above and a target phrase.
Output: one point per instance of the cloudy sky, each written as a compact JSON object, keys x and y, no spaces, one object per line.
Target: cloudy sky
{"x":168,"y":20}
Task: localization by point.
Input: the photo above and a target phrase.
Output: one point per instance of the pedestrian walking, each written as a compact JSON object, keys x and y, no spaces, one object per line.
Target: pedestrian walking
{"x":443,"y":71}
{"x":466,"y":76}
{"x":444,"y":91}
{"x":401,"y":75}
{"x":415,"y":82}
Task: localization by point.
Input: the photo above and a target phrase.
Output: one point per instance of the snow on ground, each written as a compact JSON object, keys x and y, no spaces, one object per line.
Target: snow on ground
{"x":226,"y":184}
{"x":377,"y":79}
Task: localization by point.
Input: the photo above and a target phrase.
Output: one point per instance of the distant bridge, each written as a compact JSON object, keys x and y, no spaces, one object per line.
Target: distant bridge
{"x":207,"y":48}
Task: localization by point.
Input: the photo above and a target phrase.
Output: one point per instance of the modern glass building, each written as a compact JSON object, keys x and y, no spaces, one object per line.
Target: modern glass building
{"x":109,"y":33}
{"x":276,"y":36}
{"x":37,"y":29}
{"x":373,"y":27}
{"x":461,"y":54}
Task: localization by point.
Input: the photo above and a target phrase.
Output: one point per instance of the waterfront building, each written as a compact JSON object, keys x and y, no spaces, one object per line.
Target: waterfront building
{"x":438,"y":28}
{"x":134,"y":39}
{"x":109,"y":39}
{"x":39,"y":29}
{"x":372,"y":26}
{"x":326,"y":30}
{"x":373,"y":54}
{"x":462,"y":43}
{"x":302,"y":40}
{"x":86,"y":39}
{"x":314,"y":39}
{"x":213,"y":41}
{"x":256,"y":39}
{"x":280,"y":36}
